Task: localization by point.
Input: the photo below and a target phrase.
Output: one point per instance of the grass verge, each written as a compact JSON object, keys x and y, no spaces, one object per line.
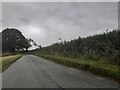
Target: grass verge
{"x":97,"y":67}
{"x":6,"y":61}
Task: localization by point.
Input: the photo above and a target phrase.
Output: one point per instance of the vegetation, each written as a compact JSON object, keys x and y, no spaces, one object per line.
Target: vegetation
{"x":98,"y":67}
{"x":98,"y":53}
{"x":14,"y":41}
{"x":9,"y":54}
{"x":7,"y":61}
{"x":104,"y":46}
{"x":13,"y":44}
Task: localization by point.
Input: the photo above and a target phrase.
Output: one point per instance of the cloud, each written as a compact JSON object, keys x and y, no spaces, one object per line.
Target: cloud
{"x":34,"y":32}
{"x":45,"y":22}
{"x":60,"y":1}
{"x":24,"y":20}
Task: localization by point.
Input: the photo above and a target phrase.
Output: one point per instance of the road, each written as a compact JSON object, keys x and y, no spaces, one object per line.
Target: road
{"x":34,"y":72}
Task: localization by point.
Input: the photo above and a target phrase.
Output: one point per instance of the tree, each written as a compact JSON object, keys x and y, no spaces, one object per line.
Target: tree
{"x":39,"y":46}
{"x":13,"y":40}
{"x":101,"y":46}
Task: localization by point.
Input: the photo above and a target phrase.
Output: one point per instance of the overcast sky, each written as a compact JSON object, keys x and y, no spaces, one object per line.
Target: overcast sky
{"x":45,"y":22}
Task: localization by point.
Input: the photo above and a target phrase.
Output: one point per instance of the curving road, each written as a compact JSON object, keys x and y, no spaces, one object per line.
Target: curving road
{"x":34,"y":72}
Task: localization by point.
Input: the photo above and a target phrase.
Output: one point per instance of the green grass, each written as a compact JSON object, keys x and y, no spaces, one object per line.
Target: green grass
{"x":98,"y":67}
{"x":6,"y":61}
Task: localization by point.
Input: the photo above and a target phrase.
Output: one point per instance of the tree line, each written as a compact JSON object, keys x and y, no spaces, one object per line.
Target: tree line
{"x":14,"y":41}
{"x":104,"y":46}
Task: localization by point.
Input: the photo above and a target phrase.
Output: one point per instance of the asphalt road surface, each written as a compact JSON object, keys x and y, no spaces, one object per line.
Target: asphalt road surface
{"x":34,"y":72}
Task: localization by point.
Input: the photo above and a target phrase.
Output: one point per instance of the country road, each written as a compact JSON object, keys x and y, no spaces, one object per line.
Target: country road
{"x":34,"y":72}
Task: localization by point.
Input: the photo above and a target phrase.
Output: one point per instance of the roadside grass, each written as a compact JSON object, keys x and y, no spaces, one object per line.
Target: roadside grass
{"x":9,"y":54}
{"x":6,"y":61}
{"x":97,"y":67}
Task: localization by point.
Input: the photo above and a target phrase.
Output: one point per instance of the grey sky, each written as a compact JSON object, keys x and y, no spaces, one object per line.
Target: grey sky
{"x":60,"y":0}
{"x":45,"y":22}
{"x":0,"y":15}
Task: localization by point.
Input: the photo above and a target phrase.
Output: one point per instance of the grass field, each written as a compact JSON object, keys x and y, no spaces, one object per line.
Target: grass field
{"x":6,"y":61}
{"x":98,"y":67}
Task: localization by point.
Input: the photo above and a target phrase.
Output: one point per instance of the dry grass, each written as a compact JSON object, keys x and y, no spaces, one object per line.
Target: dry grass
{"x":6,"y":61}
